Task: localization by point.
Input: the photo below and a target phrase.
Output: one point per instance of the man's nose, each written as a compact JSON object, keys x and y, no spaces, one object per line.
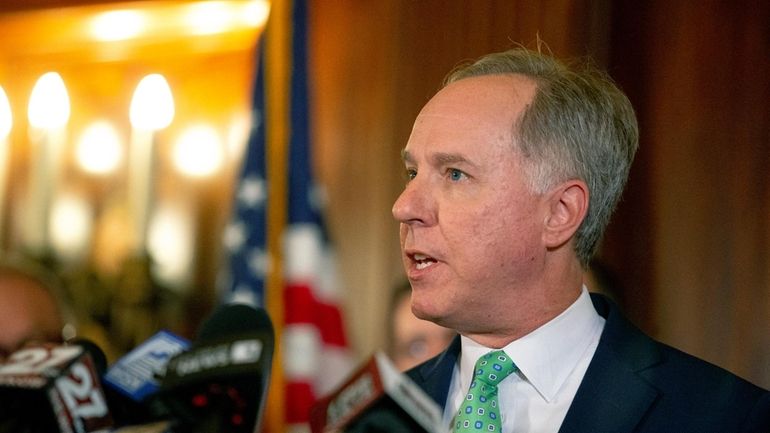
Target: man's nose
{"x":413,"y":206}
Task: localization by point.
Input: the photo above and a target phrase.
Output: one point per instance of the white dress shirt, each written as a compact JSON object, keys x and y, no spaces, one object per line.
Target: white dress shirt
{"x":552,"y":361}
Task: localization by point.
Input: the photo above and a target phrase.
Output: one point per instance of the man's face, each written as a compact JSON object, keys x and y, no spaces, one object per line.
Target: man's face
{"x":470,"y":226}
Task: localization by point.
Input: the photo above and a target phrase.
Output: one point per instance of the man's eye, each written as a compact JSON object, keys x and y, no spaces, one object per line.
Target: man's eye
{"x":455,"y":174}
{"x":411,"y":173}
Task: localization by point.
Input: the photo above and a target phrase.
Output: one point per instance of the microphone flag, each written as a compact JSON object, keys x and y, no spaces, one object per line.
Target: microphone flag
{"x":53,"y":387}
{"x":136,"y":374}
{"x":376,"y":397}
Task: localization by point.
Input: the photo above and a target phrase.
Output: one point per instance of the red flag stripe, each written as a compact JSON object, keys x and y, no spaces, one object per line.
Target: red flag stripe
{"x":303,"y":307}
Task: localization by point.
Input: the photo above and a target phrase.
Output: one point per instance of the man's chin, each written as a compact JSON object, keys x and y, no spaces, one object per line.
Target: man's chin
{"x":439,"y":318}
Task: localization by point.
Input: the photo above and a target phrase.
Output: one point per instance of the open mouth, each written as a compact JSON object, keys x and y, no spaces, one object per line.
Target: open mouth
{"x":422,"y":261}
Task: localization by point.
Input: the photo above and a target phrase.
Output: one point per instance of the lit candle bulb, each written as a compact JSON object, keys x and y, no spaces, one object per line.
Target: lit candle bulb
{"x":48,"y":114}
{"x":152,"y":109}
{"x":199,"y":151}
{"x":6,"y":122}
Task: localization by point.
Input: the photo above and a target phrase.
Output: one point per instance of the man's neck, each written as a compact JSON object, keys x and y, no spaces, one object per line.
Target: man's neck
{"x":535,"y":318}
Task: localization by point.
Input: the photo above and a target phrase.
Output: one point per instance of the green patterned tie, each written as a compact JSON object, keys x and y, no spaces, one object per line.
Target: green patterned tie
{"x":479,"y":411}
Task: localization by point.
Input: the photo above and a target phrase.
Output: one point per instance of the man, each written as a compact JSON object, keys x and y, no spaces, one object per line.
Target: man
{"x":514,"y":168}
{"x":29,"y":309}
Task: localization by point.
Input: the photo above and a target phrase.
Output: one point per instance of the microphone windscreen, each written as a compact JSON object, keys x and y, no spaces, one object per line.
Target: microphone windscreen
{"x":229,"y":320}
{"x":91,"y":348}
{"x":220,"y":383}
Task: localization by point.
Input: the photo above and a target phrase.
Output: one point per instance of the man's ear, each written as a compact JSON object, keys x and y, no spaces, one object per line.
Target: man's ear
{"x":568,"y":206}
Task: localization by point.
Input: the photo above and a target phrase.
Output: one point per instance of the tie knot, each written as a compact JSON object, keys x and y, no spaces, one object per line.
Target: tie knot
{"x":493,"y":367}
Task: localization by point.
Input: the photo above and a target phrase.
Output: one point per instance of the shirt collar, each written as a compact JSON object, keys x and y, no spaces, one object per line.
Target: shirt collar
{"x":546,"y":356}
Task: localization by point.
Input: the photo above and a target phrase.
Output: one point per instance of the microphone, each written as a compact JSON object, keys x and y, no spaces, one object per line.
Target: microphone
{"x":131,"y":384}
{"x":50,"y":387}
{"x":97,"y":354}
{"x":219,"y":384}
{"x":376,"y":398}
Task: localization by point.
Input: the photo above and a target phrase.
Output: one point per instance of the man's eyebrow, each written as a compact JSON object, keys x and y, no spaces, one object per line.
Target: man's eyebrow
{"x":441,"y":158}
{"x":406,"y":156}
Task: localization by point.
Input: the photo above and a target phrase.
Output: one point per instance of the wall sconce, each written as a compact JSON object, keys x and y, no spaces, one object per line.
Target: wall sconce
{"x":198,"y":151}
{"x":152,"y":109}
{"x":48,"y":113}
{"x":99,"y":150}
{"x":128,"y":147}
{"x":6,"y":123}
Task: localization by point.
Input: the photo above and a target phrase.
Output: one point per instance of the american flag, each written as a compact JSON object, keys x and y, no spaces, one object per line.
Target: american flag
{"x":314,"y":348}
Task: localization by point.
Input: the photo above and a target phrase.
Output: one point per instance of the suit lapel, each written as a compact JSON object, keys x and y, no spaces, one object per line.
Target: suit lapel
{"x":610,"y":399}
{"x":434,"y":376}
{"x":613,"y":396}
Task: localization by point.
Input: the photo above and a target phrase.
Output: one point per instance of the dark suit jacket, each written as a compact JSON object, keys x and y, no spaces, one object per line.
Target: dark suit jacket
{"x":636,"y":384}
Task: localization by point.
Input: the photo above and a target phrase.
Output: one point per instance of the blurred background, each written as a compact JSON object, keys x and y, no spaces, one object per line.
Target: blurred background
{"x":123,"y":126}
{"x":134,"y":223}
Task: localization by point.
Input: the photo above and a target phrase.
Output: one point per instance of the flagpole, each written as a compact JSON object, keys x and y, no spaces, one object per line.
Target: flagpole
{"x":278,"y":40}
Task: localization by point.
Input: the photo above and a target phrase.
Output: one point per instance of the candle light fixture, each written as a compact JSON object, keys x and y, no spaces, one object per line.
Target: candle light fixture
{"x":199,"y":151}
{"x":92,"y":198}
{"x":6,"y":122}
{"x":49,"y":103}
{"x":48,"y":113}
{"x":6,"y":117}
{"x":99,"y":150}
{"x":152,"y":109}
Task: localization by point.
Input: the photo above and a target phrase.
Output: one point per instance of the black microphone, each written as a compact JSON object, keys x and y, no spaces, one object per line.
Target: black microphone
{"x":376,"y":398}
{"x":220,"y":383}
{"x":96,"y":352}
{"x":132,"y":383}
{"x":52,"y":388}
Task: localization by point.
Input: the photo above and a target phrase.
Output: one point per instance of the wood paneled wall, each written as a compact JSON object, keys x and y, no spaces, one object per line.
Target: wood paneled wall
{"x":699,"y":75}
{"x":690,"y":239}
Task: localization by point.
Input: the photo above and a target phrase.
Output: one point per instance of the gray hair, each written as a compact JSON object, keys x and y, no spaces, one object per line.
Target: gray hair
{"x":579,"y":125}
